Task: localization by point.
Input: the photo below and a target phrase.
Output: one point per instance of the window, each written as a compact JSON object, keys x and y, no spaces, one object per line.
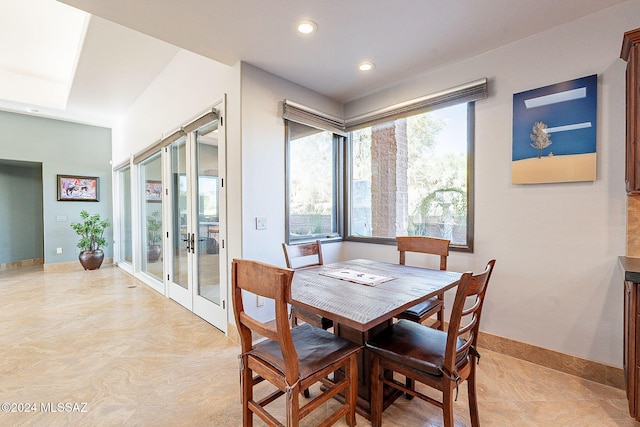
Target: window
{"x":125,"y":244}
{"x":407,"y":169}
{"x":312,"y":182}
{"x":409,"y":176}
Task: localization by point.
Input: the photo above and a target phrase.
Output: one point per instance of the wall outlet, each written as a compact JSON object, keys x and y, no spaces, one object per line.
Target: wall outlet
{"x":261,"y":223}
{"x":58,"y":251}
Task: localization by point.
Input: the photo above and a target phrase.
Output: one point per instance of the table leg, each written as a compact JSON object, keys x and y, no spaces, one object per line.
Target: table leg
{"x":364,"y":368}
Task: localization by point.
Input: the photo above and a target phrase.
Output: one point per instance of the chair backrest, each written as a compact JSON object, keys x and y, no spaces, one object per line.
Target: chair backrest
{"x":298,"y":256}
{"x":423,"y":244}
{"x":271,"y":282}
{"x":464,"y":322}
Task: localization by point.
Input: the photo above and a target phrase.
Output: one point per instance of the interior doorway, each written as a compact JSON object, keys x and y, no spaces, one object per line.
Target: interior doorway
{"x":22,"y":213}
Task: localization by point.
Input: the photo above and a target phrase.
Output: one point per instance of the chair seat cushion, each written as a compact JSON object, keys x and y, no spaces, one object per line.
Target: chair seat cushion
{"x":316,"y":350}
{"x":421,"y":309}
{"x":414,"y":345}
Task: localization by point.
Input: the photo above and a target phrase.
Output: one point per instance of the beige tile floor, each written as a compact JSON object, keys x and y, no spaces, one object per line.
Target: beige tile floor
{"x":135,"y":358}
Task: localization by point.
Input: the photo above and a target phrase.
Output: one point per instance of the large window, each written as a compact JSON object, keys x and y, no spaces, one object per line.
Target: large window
{"x":406,"y":169}
{"x":409,"y":176}
{"x":312,"y":182}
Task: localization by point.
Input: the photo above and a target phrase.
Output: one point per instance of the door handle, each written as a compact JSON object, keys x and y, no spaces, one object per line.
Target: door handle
{"x":188,"y":240}
{"x":193,"y":244}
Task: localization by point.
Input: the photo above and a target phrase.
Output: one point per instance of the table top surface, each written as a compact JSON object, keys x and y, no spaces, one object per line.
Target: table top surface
{"x":362,"y":306}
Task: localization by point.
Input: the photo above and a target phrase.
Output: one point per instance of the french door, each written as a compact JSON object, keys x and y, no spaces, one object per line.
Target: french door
{"x":196,"y":273}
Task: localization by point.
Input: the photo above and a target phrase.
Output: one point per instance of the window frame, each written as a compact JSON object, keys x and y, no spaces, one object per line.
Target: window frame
{"x":339,"y":143}
{"x":348,"y":236}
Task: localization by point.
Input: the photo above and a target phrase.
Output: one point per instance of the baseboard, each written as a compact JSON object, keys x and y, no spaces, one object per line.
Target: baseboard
{"x":72,"y":265}
{"x":595,"y":371}
{"x":21,"y":263}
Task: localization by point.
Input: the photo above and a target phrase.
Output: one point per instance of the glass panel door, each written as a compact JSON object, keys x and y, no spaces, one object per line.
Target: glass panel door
{"x":208,"y":214}
{"x":179,"y":182}
{"x":151,"y":216}
{"x":197,"y":233}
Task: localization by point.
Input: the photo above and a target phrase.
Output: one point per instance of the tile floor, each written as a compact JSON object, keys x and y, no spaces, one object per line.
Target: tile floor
{"x":118,"y":353}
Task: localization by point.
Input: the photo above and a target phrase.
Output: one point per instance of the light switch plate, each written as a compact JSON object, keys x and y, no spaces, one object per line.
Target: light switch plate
{"x":261,"y":223}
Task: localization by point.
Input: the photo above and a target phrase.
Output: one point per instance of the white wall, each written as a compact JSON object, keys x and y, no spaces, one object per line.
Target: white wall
{"x":187,"y":86}
{"x":556,"y":283}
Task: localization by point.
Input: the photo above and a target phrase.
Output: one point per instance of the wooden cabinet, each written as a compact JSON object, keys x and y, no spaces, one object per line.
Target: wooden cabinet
{"x":631,"y":268}
{"x":631,"y":53}
{"x":631,"y":337}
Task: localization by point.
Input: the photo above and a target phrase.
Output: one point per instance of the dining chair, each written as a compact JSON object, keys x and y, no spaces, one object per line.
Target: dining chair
{"x":433,"y":306}
{"x":438,"y":359}
{"x":303,"y":256}
{"x":290,"y":359}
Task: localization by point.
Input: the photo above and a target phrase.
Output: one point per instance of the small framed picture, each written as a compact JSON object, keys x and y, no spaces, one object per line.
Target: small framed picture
{"x":153,"y":190}
{"x":75,"y":188}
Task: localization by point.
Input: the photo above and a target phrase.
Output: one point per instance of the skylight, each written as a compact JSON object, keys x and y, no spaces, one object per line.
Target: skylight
{"x":40,"y":41}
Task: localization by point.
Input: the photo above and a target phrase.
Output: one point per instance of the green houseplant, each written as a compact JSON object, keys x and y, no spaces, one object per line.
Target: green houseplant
{"x":91,"y":231}
{"x":154,"y":230}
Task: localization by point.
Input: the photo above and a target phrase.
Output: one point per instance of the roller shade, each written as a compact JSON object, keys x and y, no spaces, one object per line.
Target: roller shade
{"x":174,"y":136}
{"x":200,"y":121}
{"x":310,"y":117}
{"x":468,"y":92}
{"x":121,"y":165}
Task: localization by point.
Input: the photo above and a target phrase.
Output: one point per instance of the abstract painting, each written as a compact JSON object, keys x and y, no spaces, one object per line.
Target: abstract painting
{"x":554,"y":133}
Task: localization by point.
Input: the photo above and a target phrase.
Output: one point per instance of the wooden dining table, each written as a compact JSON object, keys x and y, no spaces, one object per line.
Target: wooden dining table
{"x":362,"y":297}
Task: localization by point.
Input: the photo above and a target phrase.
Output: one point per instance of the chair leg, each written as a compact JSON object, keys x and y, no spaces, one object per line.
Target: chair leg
{"x":292,"y":407}
{"x":247,"y":394}
{"x":376,"y":391}
{"x":440,"y":317}
{"x":447,"y":404}
{"x":351,"y":395}
{"x":473,"y":398}
{"x":409,"y":383}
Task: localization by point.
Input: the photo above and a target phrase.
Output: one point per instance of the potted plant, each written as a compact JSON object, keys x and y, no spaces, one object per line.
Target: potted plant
{"x":154,"y":230}
{"x":91,"y":232}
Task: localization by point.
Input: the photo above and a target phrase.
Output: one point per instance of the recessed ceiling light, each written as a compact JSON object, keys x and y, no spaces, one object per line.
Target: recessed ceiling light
{"x":366,"y":66}
{"x":307,"y":27}
{"x":33,"y":110}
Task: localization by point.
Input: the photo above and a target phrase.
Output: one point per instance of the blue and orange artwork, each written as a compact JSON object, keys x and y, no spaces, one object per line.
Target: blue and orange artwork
{"x":554,"y":133}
